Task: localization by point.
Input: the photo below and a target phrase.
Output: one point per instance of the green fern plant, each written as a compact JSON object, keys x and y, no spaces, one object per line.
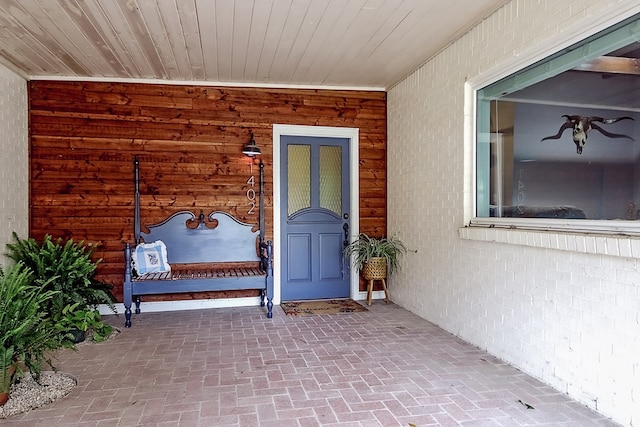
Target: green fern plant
{"x":85,"y":320}
{"x":365,"y":247}
{"x":70,"y":264}
{"x":27,"y":332}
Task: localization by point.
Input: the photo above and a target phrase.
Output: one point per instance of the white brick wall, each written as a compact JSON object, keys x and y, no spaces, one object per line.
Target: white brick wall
{"x":14,"y":160}
{"x":564,"y":308}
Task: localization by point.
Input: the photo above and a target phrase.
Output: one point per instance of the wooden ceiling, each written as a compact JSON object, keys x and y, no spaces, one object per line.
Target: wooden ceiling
{"x":336,"y":43}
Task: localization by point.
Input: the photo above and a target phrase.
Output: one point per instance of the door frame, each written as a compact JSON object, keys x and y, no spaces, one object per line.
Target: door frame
{"x":352,"y":134}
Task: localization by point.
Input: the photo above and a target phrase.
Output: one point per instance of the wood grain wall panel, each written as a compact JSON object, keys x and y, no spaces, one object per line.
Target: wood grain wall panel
{"x":84,"y":136}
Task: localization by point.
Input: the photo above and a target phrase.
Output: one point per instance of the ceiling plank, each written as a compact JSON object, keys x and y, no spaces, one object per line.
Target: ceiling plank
{"x":242,"y":13}
{"x":126,"y":23}
{"x":172,"y":67}
{"x":117,"y":44}
{"x":257,"y":35}
{"x":277,"y":20}
{"x":59,"y":20}
{"x":288,"y":35}
{"x":95,"y":41}
{"x":380,"y":23}
{"x":109,"y":45}
{"x":334,"y":42}
{"x":305,"y":69}
{"x":223,"y":27}
{"x":208,"y":39}
{"x":23,"y":52}
{"x":39,"y":31}
{"x":308,"y":30}
{"x":191,"y":31}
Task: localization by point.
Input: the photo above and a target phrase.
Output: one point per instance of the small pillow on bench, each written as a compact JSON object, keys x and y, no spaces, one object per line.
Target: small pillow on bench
{"x":151,"y":258}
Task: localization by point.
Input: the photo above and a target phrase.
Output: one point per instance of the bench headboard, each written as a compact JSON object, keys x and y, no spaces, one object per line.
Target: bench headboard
{"x":222,"y":239}
{"x":229,"y":241}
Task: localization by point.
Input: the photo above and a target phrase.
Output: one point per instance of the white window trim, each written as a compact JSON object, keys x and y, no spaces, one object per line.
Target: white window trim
{"x":605,"y":237}
{"x":597,"y":244}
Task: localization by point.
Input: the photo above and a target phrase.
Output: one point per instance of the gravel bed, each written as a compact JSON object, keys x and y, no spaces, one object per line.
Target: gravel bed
{"x":28,"y":394}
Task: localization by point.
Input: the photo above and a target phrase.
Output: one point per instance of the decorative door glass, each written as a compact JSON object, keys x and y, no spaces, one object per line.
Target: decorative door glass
{"x":299,"y":172}
{"x":331,"y":178}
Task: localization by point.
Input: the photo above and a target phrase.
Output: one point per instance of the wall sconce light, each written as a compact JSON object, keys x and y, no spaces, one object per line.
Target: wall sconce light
{"x":251,"y":149}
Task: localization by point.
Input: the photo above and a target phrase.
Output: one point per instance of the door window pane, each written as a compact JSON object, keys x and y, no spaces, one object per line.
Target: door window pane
{"x":331,"y":178}
{"x":299,"y":177}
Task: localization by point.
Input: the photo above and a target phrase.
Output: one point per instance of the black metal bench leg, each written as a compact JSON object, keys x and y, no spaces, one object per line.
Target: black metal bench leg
{"x":127,"y":317}
{"x":270,"y":308}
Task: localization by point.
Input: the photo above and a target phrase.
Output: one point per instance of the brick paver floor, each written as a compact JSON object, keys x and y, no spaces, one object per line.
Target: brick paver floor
{"x":234,"y":367}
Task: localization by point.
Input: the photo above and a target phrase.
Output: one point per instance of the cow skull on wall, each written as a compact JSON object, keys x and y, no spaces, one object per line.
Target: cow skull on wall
{"x":582,"y":125}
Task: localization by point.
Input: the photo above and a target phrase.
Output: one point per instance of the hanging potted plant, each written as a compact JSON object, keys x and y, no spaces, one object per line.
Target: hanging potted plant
{"x":375,"y":258}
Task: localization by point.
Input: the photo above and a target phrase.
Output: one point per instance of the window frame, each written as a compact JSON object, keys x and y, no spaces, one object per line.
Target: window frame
{"x":549,"y":52}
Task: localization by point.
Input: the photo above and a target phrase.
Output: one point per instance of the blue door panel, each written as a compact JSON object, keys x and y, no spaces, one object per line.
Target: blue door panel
{"x":299,"y":259}
{"x":331,"y":265}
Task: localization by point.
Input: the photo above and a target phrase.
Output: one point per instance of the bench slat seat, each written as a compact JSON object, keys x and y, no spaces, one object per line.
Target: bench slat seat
{"x":197,"y":284}
{"x":184,"y":273}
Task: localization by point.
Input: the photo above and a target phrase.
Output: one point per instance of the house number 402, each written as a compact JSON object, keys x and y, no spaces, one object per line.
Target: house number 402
{"x":251,"y":193}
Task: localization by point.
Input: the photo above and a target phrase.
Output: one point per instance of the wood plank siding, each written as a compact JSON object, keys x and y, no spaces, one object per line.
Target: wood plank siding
{"x":84,"y":136}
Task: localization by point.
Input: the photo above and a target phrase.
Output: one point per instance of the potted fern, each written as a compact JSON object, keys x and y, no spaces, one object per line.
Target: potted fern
{"x":80,"y":321}
{"x":68,"y":269}
{"x":27,"y":333}
{"x":375,"y":257}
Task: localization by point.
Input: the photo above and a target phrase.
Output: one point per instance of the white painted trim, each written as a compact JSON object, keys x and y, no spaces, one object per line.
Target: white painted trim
{"x":203,"y":304}
{"x":353,"y":134}
{"x":588,"y":243}
{"x":195,"y":304}
{"x":362,"y":295}
{"x":204,"y":83}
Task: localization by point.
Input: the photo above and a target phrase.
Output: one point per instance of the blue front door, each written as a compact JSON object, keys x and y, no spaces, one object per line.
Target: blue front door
{"x":315,"y":217}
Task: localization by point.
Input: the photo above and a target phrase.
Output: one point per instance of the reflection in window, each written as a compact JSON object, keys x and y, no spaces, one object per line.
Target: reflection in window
{"x":561,"y":139}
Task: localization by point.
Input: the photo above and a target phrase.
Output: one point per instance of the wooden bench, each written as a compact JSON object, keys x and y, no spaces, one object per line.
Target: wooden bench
{"x":213,"y":253}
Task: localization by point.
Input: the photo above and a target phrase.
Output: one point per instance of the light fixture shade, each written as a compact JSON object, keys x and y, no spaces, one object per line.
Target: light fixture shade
{"x":251,"y":149}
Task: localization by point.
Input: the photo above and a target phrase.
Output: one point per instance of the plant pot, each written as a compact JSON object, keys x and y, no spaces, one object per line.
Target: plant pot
{"x":375,"y":269}
{"x":78,"y":335}
{"x":6,"y":383}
